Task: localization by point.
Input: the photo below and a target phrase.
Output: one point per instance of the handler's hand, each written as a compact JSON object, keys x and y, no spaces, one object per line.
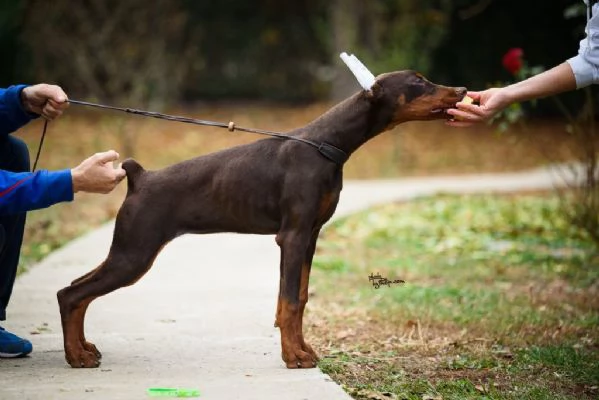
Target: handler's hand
{"x":97,"y":173}
{"x":490,"y":102}
{"x":49,"y":101}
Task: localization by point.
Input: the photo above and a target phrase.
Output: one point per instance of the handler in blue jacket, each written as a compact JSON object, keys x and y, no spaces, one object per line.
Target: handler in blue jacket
{"x":21,"y":190}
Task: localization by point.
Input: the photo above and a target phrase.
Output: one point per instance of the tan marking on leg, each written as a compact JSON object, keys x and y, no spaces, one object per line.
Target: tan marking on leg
{"x":84,"y":343}
{"x":75,"y":353}
{"x":278,"y":314}
{"x":291,"y":349}
{"x":303,"y":297}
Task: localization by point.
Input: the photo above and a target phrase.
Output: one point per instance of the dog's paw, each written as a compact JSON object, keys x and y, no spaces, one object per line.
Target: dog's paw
{"x":88,"y":346}
{"x":308,"y":349}
{"x":298,"y":359}
{"x":83,"y":359}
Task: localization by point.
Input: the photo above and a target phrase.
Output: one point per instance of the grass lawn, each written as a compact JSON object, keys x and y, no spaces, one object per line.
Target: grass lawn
{"x":500,"y":301}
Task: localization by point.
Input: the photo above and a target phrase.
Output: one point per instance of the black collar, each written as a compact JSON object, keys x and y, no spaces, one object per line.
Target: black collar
{"x":333,"y":153}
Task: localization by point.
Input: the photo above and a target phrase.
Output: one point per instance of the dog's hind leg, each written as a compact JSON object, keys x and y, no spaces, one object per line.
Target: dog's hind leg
{"x":294,"y":244}
{"x":74,"y":300}
{"x":132,"y":253}
{"x":87,"y":346}
{"x":87,"y":275}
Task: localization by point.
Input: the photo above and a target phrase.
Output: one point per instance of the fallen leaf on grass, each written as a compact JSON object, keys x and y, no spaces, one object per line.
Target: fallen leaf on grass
{"x":371,"y":394}
{"x":504,"y":352}
{"x":345,"y":334}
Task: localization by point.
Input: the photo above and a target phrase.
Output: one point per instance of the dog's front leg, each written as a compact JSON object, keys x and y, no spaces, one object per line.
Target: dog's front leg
{"x":294,"y":245}
{"x":303,"y":296}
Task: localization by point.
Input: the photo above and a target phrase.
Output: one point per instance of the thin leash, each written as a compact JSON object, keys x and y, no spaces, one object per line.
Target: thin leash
{"x":329,"y":151}
{"x":39,"y":149}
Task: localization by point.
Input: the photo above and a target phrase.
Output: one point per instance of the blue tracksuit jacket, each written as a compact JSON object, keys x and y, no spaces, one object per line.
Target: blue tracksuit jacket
{"x":26,"y":191}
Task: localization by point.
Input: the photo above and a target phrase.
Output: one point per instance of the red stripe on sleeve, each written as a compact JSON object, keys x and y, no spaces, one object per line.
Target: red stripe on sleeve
{"x":13,"y":187}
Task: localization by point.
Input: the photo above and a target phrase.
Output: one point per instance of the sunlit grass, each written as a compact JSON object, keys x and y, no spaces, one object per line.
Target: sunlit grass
{"x":500,"y":301}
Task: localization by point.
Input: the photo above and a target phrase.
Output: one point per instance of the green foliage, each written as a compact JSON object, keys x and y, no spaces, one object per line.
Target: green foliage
{"x":407,"y":33}
{"x":568,"y":362}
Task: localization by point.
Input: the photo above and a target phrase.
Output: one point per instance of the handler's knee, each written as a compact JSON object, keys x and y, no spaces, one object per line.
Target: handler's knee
{"x":14,"y":155}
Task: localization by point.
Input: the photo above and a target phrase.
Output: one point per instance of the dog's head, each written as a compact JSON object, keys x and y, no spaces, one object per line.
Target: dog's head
{"x":412,"y":97}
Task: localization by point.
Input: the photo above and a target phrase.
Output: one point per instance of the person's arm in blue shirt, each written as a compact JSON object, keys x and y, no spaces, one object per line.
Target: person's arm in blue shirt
{"x":12,"y":114}
{"x":26,"y":191}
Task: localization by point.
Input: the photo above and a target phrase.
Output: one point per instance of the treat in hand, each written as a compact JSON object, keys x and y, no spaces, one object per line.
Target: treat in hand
{"x":468,"y":100}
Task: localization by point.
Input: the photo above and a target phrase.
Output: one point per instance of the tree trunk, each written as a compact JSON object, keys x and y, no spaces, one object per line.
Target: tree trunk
{"x":344,"y":15}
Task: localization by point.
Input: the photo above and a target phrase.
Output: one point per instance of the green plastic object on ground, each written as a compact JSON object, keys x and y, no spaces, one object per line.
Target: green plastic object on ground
{"x":173,"y":392}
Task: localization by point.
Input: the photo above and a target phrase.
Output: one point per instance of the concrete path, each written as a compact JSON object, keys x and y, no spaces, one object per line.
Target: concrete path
{"x":201,"y":318}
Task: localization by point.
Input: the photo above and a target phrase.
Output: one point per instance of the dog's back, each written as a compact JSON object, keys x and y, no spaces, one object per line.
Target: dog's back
{"x":241,"y":189}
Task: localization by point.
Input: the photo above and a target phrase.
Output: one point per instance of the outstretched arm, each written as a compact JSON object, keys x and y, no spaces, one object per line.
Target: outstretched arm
{"x":577,"y":72}
{"x":25,"y":191}
{"x":491,"y":101}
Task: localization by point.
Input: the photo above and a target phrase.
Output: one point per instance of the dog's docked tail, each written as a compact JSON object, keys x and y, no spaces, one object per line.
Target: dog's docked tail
{"x":134,"y":171}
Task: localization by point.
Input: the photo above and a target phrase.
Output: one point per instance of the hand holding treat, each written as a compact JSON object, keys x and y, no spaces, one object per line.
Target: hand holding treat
{"x":477,"y":107}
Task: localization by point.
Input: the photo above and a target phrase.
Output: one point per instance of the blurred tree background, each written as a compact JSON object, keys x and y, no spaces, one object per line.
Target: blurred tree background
{"x":160,"y":53}
{"x":267,"y":59}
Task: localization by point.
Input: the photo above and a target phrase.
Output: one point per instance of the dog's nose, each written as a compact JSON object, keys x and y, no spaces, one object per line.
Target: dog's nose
{"x":461,"y":91}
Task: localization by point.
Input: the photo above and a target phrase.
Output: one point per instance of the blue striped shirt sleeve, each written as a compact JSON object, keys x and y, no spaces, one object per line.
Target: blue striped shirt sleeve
{"x":25,"y":191}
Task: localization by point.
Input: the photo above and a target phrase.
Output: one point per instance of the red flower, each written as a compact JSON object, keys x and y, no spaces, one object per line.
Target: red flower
{"x":512,"y":60}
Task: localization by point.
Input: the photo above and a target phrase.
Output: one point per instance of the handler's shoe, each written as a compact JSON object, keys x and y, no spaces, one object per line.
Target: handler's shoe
{"x":13,"y":346}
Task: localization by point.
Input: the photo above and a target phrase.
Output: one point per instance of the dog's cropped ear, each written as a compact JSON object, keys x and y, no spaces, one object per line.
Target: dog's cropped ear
{"x":365,"y":78}
{"x":374,"y":92}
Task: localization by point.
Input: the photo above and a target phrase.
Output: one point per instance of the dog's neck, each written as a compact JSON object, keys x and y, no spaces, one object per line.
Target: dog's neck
{"x":350,"y":123}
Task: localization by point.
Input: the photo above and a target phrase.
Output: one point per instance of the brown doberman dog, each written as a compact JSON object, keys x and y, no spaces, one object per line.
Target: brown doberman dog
{"x":271,"y":186}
